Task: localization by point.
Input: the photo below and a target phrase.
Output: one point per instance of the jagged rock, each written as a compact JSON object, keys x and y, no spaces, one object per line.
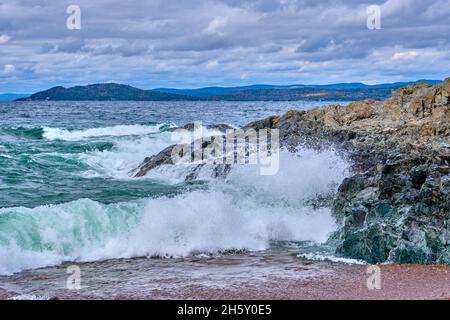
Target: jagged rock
{"x":396,"y":204}
{"x":165,"y":157}
{"x":266,"y":123}
{"x":150,"y":163}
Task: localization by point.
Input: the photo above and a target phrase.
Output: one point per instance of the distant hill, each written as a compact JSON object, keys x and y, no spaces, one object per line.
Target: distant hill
{"x":306,"y":94}
{"x":219,"y":91}
{"x":120,"y":92}
{"x":13,"y":96}
{"x":104,"y":92}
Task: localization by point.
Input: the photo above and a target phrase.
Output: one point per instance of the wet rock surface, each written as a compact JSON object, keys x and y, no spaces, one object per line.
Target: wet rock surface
{"x":166,"y":156}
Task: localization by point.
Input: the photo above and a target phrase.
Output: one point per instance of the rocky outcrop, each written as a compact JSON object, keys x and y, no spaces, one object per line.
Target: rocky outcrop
{"x":398,"y":211}
{"x":190,"y":127}
{"x":165,"y":157}
{"x":396,"y":205}
{"x":162,"y":158}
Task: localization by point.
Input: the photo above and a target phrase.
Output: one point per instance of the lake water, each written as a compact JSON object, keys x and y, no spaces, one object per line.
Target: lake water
{"x":66,"y":193}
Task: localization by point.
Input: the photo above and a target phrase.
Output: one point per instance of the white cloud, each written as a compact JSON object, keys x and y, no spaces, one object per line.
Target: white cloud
{"x":9,"y":68}
{"x":395,"y":7}
{"x":4,"y":38}
{"x":181,"y":43}
{"x":215,"y":26}
{"x":212,"y":64}
{"x":407,"y":55}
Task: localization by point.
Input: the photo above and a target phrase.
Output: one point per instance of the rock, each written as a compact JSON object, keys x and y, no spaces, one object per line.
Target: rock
{"x":267,"y":123}
{"x":418,"y":178}
{"x":395,"y":204}
{"x":150,"y":163}
{"x":165,"y":157}
{"x":190,"y":127}
{"x":406,"y":203}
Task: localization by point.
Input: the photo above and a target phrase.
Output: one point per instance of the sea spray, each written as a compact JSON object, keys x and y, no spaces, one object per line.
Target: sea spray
{"x":191,"y":223}
{"x":66,"y":193}
{"x":244,"y":212}
{"x":128,"y":152}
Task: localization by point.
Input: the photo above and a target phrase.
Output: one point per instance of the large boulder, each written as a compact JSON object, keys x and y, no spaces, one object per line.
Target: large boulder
{"x":399,"y":212}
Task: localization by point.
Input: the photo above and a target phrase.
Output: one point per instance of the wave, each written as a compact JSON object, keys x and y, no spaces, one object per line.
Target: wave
{"x":28,"y":297}
{"x":302,"y":175}
{"x":126,"y":154}
{"x":129,"y":152}
{"x":329,"y":258}
{"x":114,"y":131}
{"x":247,"y":211}
{"x":23,"y":132}
{"x":52,"y":133}
{"x":85,"y":230}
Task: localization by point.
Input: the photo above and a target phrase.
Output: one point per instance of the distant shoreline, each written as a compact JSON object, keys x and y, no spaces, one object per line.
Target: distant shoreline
{"x":121,"y":92}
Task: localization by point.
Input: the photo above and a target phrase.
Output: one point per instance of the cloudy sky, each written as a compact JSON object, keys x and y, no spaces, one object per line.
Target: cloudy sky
{"x":193,"y":43}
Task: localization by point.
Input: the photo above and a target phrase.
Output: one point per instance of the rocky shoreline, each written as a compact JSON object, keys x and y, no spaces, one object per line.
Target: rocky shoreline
{"x":395,"y":206}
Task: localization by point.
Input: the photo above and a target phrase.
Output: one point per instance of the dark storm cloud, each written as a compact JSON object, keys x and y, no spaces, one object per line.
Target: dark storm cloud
{"x":208,"y":42}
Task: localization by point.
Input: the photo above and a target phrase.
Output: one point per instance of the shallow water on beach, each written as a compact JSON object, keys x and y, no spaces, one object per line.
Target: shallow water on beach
{"x":149,"y":278}
{"x":276,"y":273}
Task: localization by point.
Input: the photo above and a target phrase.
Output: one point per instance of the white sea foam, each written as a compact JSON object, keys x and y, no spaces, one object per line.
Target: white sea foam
{"x":28,"y":297}
{"x":247,"y":211}
{"x":327,"y":257}
{"x":244,"y":211}
{"x":302,"y":176}
{"x":126,"y":154}
{"x":114,"y":131}
{"x":129,"y":152}
{"x":194,"y":222}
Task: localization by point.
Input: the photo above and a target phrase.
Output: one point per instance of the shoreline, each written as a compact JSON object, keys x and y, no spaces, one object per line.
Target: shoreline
{"x":393,"y":207}
{"x":271,"y":276}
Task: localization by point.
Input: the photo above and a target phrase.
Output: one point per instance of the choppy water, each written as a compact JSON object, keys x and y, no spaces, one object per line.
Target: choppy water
{"x":66,"y":193}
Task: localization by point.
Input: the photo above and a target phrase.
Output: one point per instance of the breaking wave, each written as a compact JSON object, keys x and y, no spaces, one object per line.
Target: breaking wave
{"x":245,"y":211}
{"x":114,"y":131}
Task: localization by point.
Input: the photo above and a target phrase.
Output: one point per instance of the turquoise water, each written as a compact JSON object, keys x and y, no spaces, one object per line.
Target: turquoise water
{"x":66,"y":191}
{"x":41,"y":162}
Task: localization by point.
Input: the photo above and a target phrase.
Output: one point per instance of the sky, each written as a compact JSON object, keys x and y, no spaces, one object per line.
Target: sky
{"x":196,"y":43}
